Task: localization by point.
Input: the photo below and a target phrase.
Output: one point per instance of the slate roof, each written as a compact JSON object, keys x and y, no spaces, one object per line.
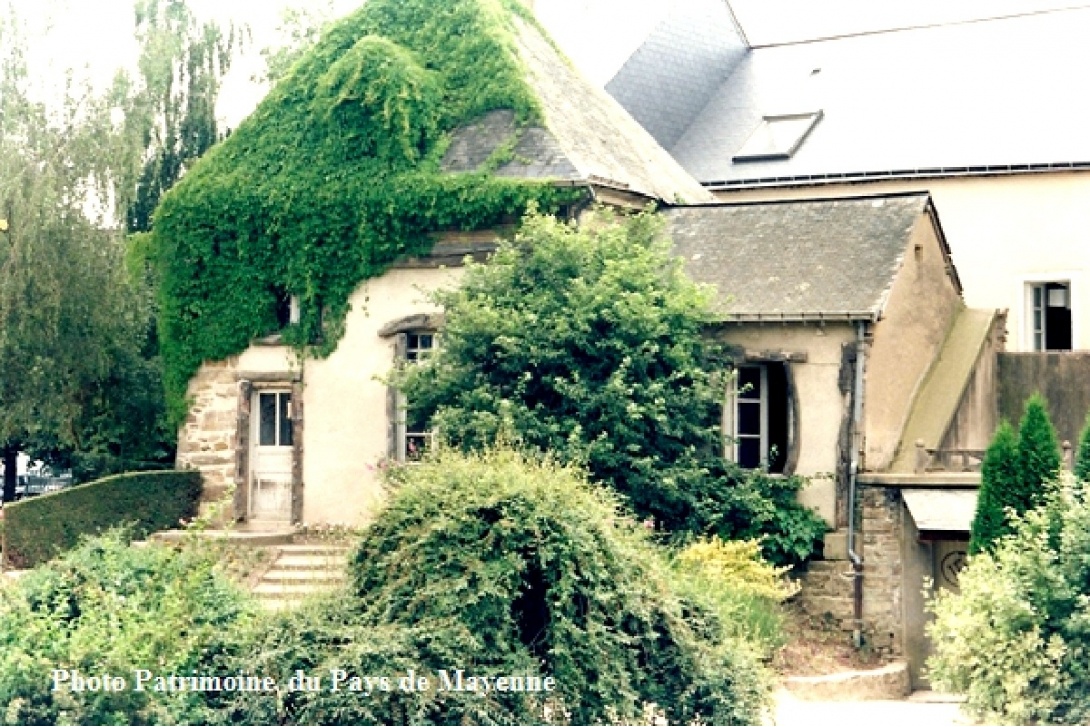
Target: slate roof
{"x":587,"y":138}
{"x":952,"y":99}
{"x":684,"y":59}
{"x":795,"y":260}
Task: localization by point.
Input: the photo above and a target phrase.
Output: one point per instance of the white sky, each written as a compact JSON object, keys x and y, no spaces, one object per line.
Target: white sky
{"x":597,"y":34}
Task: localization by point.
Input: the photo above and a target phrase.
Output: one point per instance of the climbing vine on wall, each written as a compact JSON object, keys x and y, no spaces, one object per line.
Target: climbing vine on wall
{"x":334,"y":176}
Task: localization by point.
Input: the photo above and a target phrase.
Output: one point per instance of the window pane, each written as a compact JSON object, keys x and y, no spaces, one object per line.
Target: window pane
{"x":267,"y":420}
{"x":749,"y":417}
{"x":749,"y":382}
{"x":749,"y":452}
{"x":285,"y":420}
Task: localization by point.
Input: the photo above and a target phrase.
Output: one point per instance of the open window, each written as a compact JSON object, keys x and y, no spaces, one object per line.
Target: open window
{"x":757,"y":417}
{"x":1050,"y":316}
{"x":413,"y":434}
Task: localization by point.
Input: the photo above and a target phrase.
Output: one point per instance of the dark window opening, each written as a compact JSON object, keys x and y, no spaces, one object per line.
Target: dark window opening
{"x":758,"y":418}
{"x":1051,"y":316}
{"x":286,"y":308}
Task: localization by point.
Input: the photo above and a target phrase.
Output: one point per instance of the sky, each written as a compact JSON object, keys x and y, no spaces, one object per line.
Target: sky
{"x":597,"y":34}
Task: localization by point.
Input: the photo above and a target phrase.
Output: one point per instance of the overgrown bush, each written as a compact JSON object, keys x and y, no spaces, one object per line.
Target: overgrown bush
{"x":41,"y":527}
{"x":109,"y":608}
{"x":588,"y":342}
{"x":505,"y":566}
{"x":1016,"y":639}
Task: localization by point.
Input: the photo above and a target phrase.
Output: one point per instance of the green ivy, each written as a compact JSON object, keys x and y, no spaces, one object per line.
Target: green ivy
{"x":336,"y":175}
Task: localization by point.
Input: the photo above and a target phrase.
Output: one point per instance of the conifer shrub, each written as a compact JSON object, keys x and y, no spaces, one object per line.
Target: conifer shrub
{"x":1038,"y":455}
{"x":999,"y":483}
{"x":1016,"y":639}
{"x":106,"y":608}
{"x":1082,"y":456}
{"x":1019,"y":473}
{"x":500,"y":565}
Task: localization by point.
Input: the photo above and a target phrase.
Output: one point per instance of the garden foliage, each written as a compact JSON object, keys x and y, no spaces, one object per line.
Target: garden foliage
{"x":335,"y":175}
{"x":1016,"y":639}
{"x":106,"y":607}
{"x":502,"y":565}
{"x":589,"y":342}
{"x":39,"y":528}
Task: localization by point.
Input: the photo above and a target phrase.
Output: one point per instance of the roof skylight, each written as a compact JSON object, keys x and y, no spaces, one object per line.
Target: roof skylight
{"x":777,"y":137}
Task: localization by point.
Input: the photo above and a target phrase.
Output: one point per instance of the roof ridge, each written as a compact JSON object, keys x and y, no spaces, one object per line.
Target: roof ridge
{"x":920,"y":26}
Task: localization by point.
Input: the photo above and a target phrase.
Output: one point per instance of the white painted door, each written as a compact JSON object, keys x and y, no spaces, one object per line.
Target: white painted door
{"x":271,"y":455}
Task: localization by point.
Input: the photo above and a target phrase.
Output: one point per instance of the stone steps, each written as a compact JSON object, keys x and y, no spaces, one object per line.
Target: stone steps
{"x":301,"y":570}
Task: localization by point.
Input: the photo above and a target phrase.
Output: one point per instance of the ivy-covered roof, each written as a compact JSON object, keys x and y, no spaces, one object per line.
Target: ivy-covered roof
{"x":340,"y":171}
{"x":584,"y":136}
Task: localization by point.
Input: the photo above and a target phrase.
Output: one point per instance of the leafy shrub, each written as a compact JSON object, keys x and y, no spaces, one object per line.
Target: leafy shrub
{"x":109,"y":608}
{"x":39,"y":528}
{"x":501,"y":565}
{"x":737,"y":564}
{"x":588,"y":343}
{"x":745,"y":589}
{"x":1016,"y":640}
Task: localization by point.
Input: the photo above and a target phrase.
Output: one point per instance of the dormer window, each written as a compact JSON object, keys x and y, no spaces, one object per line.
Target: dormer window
{"x":778,"y":137}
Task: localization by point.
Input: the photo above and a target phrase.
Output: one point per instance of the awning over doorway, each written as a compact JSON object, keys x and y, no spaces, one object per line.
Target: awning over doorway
{"x":941,"y":514}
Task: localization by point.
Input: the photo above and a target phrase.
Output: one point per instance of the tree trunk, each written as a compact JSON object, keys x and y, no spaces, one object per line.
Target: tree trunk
{"x":11,"y":462}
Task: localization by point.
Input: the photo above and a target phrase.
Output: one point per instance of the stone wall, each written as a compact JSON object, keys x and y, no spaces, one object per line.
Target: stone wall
{"x":883,"y":566}
{"x":827,"y":593}
{"x":208,"y":439}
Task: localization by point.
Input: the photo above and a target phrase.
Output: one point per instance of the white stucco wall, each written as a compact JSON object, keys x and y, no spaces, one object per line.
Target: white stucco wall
{"x":821,"y":406}
{"x":1004,"y":231}
{"x":344,"y":414}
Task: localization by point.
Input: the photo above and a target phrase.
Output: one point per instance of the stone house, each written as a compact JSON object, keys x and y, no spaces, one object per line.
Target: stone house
{"x":868,"y":362}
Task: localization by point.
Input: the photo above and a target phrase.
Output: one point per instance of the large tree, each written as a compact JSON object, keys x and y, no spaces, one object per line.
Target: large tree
{"x":80,"y":380}
{"x":588,"y":342}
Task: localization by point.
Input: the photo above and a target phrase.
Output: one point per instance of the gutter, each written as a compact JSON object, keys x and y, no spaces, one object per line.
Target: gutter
{"x":802,"y":317}
{"x":823,"y":178}
{"x":853,"y":475}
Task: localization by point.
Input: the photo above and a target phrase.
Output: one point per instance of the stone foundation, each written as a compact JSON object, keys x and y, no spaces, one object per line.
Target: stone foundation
{"x":208,"y":440}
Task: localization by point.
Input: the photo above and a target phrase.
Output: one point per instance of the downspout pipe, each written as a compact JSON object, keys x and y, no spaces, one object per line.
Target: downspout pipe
{"x":853,"y":474}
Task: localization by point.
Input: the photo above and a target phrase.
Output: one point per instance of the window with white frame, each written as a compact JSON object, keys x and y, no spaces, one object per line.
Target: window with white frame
{"x":756,"y":417}
{"x":1049,"y":315}
{"x":414,"y":434}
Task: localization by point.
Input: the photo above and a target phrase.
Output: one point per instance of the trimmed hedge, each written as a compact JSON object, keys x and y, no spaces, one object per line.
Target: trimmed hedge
{"x":40,"y":528}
